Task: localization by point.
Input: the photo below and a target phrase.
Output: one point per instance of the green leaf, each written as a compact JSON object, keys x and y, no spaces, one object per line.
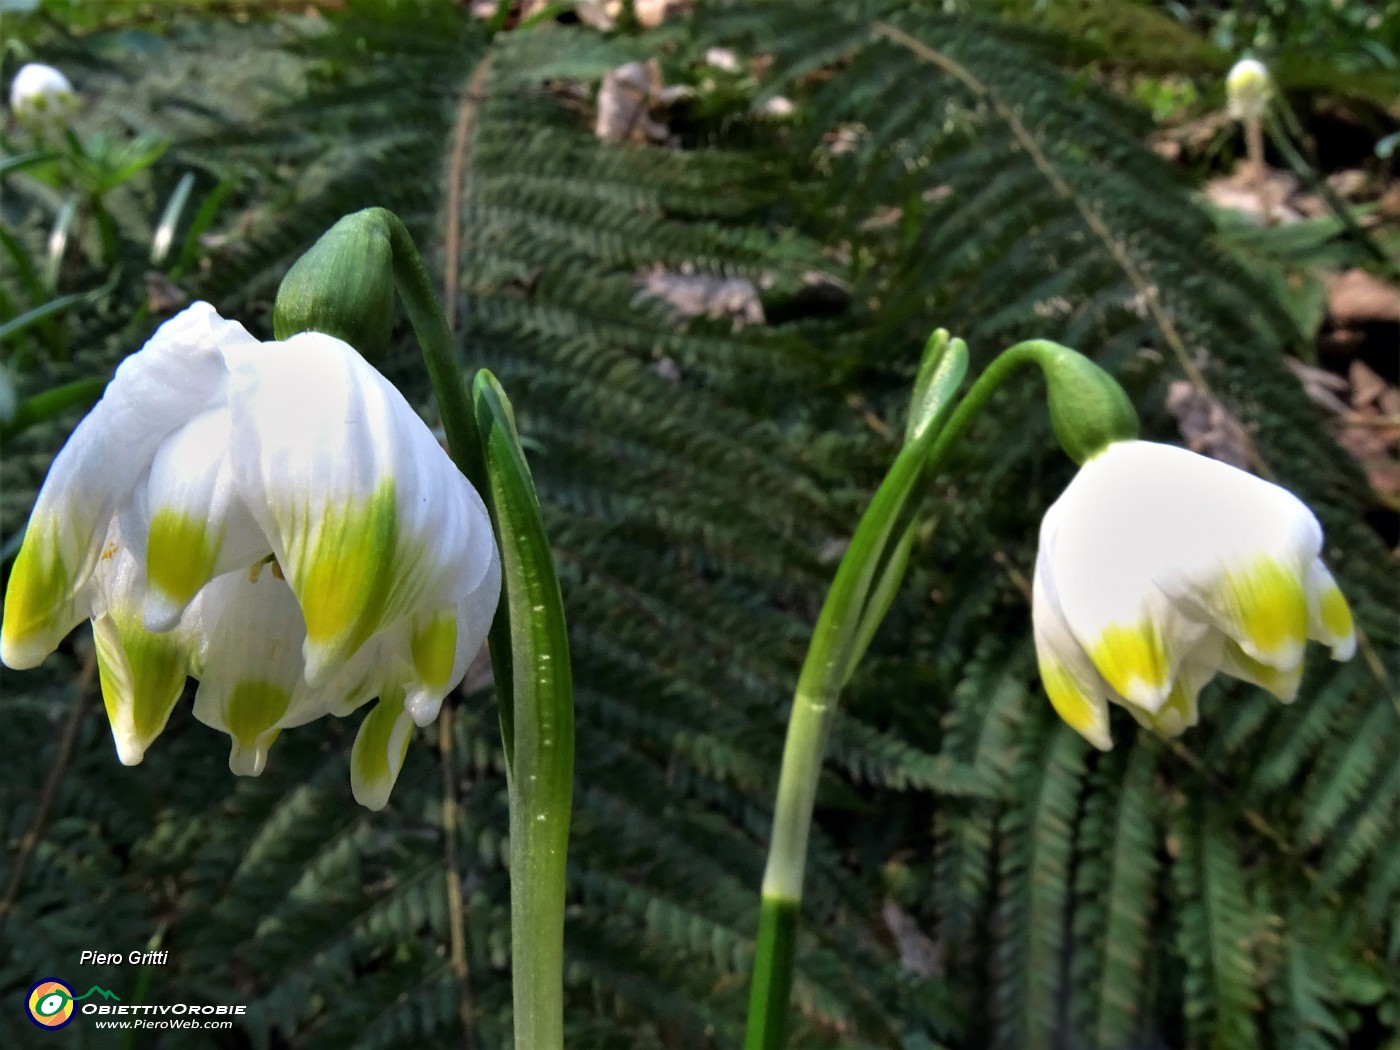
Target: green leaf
{"x":542,"y":750}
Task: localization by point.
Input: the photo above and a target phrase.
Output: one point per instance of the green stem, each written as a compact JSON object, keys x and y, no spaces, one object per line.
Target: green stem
{"x":448,"y":378}
{"x":440,"y":356}
{"x":842,"y":630}
{"x":529,"y":654}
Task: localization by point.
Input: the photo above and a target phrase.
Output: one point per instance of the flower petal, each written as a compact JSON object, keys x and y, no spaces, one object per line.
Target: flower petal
{"x":249,"y":664}
{"x":440,"y":662}
{"x":1263,"y":607}
{"x":197,"y":524}
{"x":378,"y":754}
{"x":1329,"y":615}
{"x":1239,"y":664}
{"x":366,"y":514}
{"x":1077,"y":692}
{"x":142,"y":674}
{"x":1180,"y":710}
{"x":177,"y":375}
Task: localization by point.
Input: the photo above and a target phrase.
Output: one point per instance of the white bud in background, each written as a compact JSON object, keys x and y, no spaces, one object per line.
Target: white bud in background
{"x":41,"y":96}
{"x":1249,"y":89}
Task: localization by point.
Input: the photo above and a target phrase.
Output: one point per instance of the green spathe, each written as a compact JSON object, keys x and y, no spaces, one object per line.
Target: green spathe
{"x":1088,"y":409}
{"x":343,"y":286}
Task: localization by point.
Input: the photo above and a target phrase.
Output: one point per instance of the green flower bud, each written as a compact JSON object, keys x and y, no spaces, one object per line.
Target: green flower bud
{"x":343,"y":286}
{"x":1088,"y":409}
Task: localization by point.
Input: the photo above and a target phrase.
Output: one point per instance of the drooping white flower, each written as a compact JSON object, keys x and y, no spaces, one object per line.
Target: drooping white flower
{"x":1158,"y":568}
{"x":273,"y":519}
{"x":41,"y":96}
{"x":1249,"y":89}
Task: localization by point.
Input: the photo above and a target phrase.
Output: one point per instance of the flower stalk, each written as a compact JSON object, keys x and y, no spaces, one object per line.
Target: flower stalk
{"x":1088,"y":410}
{"x":529,"y":645}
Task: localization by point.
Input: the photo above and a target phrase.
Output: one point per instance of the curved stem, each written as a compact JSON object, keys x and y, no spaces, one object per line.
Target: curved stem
{"x":837,"y":643}
{"x":529,"y":657}
{"x":446,"y":373}
{"x":439,"y":349}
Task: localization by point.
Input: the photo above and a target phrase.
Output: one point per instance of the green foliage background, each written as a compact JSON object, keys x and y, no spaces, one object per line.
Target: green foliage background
{"x":1237,"y":888}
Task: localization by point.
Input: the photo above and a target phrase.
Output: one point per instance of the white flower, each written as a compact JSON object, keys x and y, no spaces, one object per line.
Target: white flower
{"x":1249,"y":89}
{"x":273,"y":519}
{"x":40,"y":96}
{"x":1159,"y":567}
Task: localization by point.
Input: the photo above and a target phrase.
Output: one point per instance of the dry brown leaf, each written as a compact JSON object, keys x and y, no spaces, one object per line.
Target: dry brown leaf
{"x":918,"y":954}
{"x":1366,"y":386}
{"x":703,"y":295}
{"x":1208,"y":427}
{"x":1351,"y":183}
{"x":1267,"y":198}
{"x":651,"y":13}
{"x":1321,"y":386}
{"x":163,"y":295}
{"x":1356,"y":297}
{"x":624,"y":101}
{"x":1192,"y":137}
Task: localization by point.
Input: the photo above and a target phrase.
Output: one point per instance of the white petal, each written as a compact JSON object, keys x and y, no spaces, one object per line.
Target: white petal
{"x":1077,"y":691}
{"x":366,"y":514}
{"x":142,"y":674}
{"x":436,"y":673}
{"x":249,"y":664}
{"x":1329,"y":616}
{"x":1180,"y":710}
{"x":177,"y":375}
{"x":197,"y":524}
{"x":378,"y":754}
{"x":1237,"y":663}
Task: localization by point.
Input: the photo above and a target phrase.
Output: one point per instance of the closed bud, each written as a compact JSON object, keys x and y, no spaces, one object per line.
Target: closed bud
{"x":1088,"y":409}
{"x":1249,"y":89}
{"x":343,"y":286}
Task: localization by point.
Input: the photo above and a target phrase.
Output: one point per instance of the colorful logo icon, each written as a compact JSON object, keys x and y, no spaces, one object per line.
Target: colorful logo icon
{"x":51,"y":1004}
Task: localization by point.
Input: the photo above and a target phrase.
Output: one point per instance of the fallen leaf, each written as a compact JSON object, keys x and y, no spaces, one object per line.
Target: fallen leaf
{"x":1321,"y":386}
{"x":918,"y":954}
{"x":1366,"y":386}
{"x":651,"y":13}
{"x":1351,"y":183}
{"x":624,"y":102}
{"x":1208,"y":427}
{"x":704,"y":295}
{"x":1357,"y":297}
{"x":722,"y":58}
{"x":1264,"y":198}
{"x":163,"y":295}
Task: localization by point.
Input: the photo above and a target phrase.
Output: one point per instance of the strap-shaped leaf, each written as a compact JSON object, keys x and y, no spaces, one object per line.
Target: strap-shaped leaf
{"x":541,"y":742}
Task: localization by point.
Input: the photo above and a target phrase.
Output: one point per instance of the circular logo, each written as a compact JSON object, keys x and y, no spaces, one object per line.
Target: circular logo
{"x":50,"y":1004}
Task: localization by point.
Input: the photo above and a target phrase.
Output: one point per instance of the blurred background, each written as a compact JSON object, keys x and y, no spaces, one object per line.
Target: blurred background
{"x":702,"y":246}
